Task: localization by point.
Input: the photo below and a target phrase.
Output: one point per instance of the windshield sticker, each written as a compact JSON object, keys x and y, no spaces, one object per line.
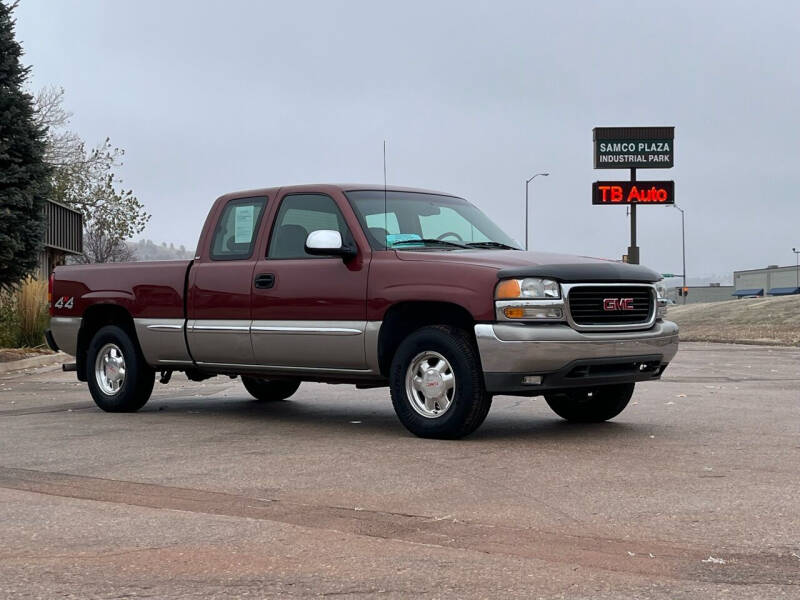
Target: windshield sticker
{"x":393,"y":238}
{"x":243,"y":224}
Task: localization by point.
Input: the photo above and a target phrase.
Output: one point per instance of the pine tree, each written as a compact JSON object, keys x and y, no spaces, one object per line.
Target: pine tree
{"x":24,"y":175}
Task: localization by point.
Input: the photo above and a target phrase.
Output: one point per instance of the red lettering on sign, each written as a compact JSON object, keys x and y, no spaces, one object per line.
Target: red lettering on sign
{"x":611,"y":193}
{"x":642,"y":196}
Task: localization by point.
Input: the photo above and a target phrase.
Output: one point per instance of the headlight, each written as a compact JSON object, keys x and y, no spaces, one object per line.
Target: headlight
{"x":661,"y":301}
{"x":529,"y":299}
{"x":530,"y":288}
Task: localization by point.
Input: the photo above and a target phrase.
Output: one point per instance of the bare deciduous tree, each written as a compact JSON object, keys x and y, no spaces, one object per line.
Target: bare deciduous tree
{"x":100,"y":248}
{"x":85,"y":180}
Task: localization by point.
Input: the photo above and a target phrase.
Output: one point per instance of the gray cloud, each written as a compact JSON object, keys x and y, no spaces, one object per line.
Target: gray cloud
{"x":472,"y":97}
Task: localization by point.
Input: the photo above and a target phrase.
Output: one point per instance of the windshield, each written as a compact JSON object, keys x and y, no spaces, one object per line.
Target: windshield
{"x":412,"y":220}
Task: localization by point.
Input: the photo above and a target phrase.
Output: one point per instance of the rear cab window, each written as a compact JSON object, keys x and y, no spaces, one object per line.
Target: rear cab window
{"x":237,"y":229}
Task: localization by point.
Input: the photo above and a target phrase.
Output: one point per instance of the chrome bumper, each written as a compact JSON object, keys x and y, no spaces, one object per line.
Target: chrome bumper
{"x":511,"y":350}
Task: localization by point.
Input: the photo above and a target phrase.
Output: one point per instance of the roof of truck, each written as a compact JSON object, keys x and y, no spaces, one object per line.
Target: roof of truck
{"x":321,"y":187}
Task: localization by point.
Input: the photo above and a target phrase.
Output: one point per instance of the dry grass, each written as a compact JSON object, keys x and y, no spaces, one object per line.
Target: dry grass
{"x":770,"y":321}
{"x":23,"y":314}
{"x":32,"y":311}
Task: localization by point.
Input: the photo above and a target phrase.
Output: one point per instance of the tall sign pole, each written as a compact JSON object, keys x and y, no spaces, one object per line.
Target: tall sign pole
{"x":633,"y":249}
{"x":633,"y":148}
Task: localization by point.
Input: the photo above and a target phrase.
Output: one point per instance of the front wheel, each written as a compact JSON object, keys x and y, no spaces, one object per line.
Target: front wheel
{"x":591,"y":405}
{"x":119,"y":378}
{"x":267,"y":391}
{"x":437,"y":384}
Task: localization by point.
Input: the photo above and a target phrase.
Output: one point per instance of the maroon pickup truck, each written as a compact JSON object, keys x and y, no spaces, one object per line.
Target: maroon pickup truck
{"x":413,"y":289}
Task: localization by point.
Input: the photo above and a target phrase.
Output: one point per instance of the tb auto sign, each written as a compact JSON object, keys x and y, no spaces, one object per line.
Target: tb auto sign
{"x":633,"y":192}
{"x":634,"y":147}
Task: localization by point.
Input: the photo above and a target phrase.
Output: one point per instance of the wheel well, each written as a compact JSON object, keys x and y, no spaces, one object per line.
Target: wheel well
{"x":94,"y":318}
{"x":405,"y":317}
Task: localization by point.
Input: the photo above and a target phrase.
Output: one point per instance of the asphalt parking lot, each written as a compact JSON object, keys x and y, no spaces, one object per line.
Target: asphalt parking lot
{"x":692,"y":492}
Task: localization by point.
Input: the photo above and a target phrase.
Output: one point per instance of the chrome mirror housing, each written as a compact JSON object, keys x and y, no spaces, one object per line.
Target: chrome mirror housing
{"x":326,"y":242}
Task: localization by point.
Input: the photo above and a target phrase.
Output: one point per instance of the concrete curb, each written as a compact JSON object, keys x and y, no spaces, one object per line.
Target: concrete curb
{"x":33,"y":362}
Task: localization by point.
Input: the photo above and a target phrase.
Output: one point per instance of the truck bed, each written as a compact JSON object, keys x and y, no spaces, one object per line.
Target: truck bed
{"x":145,"y":289}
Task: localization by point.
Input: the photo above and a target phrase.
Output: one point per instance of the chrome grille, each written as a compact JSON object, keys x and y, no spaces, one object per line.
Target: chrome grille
{"x":587,"y":305}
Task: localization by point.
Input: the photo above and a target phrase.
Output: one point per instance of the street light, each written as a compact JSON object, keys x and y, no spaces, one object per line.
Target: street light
{"x":797,"y":260}
{"x":683,"y":244}
{"x":527,"y":181}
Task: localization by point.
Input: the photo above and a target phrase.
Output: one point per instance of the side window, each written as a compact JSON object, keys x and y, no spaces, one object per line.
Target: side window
{"x":236,"y":229}
{"x":299,"y":215}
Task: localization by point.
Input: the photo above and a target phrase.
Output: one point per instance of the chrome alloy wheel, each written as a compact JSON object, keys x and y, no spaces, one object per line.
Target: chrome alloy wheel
{"x":430,"y":384}
{"x":109,"y":369}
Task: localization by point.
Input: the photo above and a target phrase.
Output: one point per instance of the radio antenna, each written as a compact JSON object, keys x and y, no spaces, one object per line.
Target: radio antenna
{"x":385,"y":210}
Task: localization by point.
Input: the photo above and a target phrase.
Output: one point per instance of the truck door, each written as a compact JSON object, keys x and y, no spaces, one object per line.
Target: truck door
{"x":218,"y":300}
{"x":310,"y":311}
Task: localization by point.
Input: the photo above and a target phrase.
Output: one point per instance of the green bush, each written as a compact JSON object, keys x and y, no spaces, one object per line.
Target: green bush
{"x":9,"y":325}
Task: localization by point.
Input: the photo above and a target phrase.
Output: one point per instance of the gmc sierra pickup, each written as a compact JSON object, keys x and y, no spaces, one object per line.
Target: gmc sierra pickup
{"x":413,"y":289}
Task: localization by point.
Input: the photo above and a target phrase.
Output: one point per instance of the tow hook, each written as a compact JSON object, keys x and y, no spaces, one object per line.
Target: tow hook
{"x":165,"y":376}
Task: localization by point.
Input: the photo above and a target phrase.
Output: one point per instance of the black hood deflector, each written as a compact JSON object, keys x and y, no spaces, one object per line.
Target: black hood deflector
{"x":585,"y":272}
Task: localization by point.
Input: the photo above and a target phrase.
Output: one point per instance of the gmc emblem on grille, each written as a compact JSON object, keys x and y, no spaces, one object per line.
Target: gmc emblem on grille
{"x":617,"y":303}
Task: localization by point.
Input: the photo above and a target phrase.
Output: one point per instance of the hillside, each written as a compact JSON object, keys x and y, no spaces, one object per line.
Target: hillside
{"x":774,"y":321}
{"x":149,"y":250}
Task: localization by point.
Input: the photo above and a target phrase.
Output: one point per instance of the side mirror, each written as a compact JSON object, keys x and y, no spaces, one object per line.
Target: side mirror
{"x":326,"y":242}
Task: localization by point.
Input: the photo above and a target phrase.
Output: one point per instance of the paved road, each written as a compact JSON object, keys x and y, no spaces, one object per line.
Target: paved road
{"x":693,"y":492}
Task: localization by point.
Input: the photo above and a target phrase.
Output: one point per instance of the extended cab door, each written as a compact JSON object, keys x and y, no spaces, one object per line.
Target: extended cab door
{"x":310,"y":311}
{"x":218,"y":299}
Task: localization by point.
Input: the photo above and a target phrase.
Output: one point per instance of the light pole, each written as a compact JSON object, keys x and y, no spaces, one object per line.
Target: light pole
{"x":683,"y":244}
{"x":797,"y":261}
{"x":527,"y":181}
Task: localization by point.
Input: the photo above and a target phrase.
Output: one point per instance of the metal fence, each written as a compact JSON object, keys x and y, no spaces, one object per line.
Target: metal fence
{"x":64,"y":228}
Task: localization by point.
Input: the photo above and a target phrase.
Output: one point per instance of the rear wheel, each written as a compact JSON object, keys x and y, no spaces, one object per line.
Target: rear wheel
{"x":267,"y":390}
{"x":591,"y":405}
{"x":119,"y":378}
{"x":437,"y":384}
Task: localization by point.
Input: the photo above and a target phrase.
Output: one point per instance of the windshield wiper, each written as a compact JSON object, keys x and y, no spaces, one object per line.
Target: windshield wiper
{"x":426,"y":241}
{"x":491,"y":245}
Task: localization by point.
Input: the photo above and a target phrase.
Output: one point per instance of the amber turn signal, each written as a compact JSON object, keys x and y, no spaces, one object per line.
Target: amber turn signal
{"x":514,"y":312}
{"x":508,"y":289}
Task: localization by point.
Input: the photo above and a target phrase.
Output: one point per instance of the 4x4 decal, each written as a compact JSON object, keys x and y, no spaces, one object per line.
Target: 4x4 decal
{"x":64,"y":302}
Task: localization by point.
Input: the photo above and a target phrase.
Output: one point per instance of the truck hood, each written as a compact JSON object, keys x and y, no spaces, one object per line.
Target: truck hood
{"x":514,"y":263}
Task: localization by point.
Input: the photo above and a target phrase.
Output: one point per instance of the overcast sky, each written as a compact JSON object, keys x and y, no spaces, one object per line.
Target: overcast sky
{"x":472,"y":97}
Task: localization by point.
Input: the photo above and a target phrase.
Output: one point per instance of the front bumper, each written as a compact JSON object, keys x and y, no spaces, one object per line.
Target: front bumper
{"x":567,"y":358}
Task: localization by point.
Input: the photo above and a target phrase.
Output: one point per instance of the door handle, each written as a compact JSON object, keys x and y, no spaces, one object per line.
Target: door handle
{"x":264,"y":281}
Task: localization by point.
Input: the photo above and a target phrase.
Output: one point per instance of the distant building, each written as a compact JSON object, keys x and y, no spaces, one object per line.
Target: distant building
{"x":702,"y":293}
{"x":63,"y":235}
{"x":771,"y":281}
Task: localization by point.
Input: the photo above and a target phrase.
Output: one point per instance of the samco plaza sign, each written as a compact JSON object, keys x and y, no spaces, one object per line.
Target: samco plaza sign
{"x":634,"y":147}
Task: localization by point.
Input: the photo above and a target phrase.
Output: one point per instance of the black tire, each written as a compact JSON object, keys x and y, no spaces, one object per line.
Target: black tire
{"x":137,"y":384}
{"x":467,"y":402}
{"x":591,"y":405}
{"x":269,"y":391}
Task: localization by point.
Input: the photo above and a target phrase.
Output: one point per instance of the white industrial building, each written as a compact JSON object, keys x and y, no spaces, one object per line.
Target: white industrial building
{"x":770,"y":281}
{"x":702,"y":293}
